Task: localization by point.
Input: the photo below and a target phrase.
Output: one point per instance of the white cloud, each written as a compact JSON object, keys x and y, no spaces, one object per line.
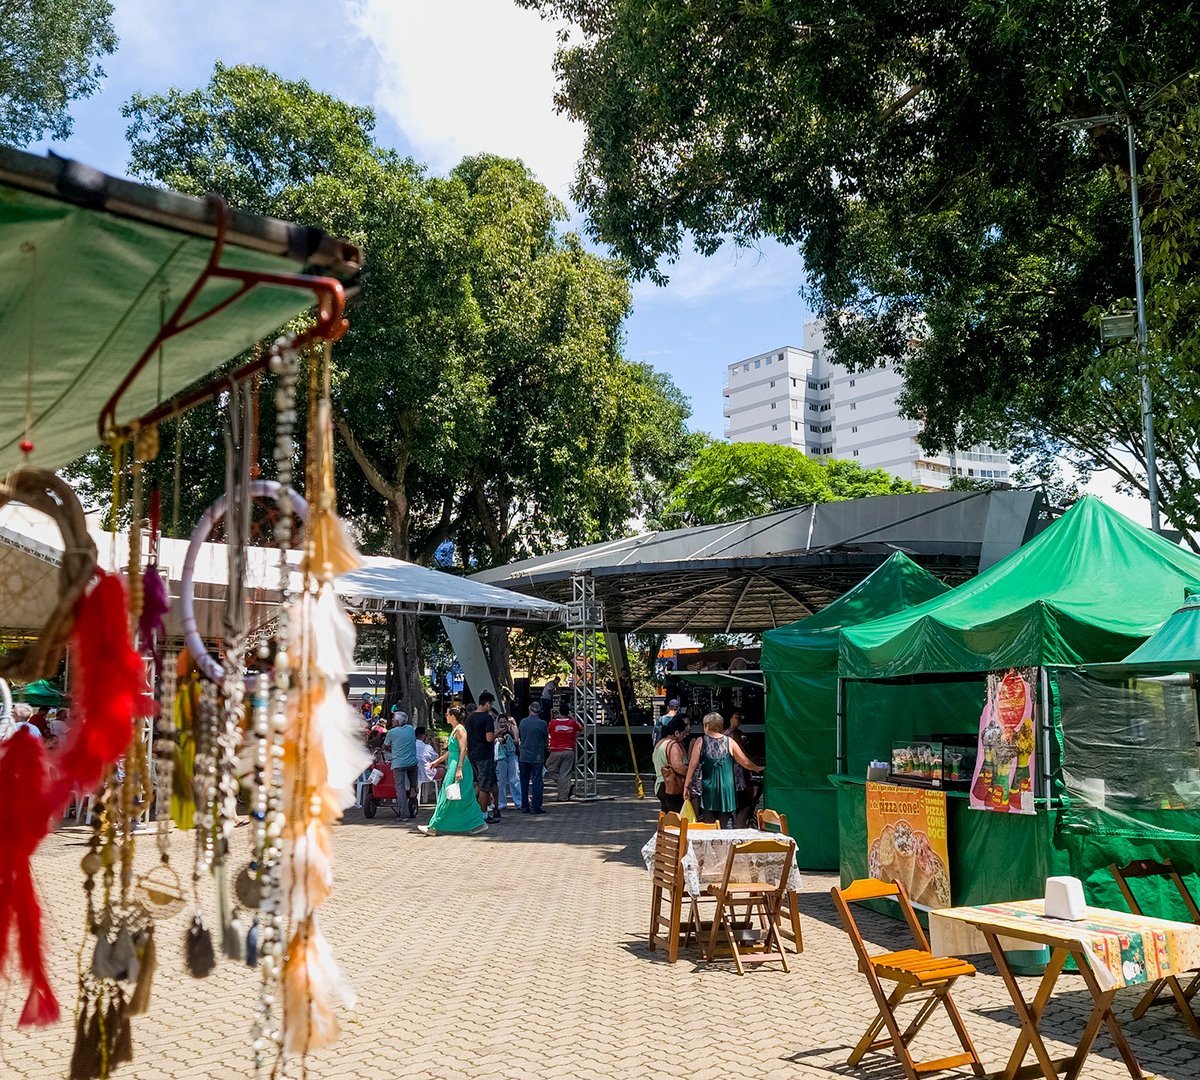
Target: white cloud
{"x":465,"y":76}
{"x":769,"y":271}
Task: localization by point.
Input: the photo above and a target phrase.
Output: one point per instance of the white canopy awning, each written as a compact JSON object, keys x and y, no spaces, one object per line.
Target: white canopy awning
{"x":31,"y":553}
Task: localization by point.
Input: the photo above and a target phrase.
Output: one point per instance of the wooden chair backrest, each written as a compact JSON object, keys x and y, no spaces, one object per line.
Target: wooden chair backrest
{"x":761,"y":847}
{"x":669,"y":848}
{"x":773,"y":817}
{"x":669,"y":820}
{"x":705,"y":825}
{"x":870,"y":889}
{"x":1148,"y":868}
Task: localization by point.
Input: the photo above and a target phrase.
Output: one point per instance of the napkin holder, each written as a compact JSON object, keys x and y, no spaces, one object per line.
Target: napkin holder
{"x":1064,"y":899}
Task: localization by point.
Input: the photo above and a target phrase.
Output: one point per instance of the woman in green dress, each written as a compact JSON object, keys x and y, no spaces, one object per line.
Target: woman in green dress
{"x":460,"y":815}
{"x":714,"y":755}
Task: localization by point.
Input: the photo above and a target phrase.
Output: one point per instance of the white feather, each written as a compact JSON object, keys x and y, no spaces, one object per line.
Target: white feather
{"x":333,"y":636}
{"x":338,"y":730}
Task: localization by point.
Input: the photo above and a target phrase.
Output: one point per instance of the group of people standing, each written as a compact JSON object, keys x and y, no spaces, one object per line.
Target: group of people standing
{"x":714,"y":771}
{"x":489,"y":759}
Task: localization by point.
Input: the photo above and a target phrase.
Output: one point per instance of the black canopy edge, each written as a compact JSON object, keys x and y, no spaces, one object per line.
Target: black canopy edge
{"x":82,"y":185}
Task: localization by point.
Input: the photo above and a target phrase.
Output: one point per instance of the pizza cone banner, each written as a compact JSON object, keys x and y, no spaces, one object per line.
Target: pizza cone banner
{"x":906,"y":838}
{"x":1003,"y":779}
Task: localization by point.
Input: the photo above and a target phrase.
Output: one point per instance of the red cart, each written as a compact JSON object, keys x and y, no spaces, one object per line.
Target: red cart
{"x":383,"y":791}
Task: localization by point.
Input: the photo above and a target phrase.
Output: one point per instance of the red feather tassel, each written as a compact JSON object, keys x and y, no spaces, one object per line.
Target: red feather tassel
{"x":24,"y":821}
{"x":113,"y":691}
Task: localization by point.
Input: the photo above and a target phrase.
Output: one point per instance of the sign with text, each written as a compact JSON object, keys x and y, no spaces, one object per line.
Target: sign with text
{"x":906,"y":841}
{"x":1003,"y":780}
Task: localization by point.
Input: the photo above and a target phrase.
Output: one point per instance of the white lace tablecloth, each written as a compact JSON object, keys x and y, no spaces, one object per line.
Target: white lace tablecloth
{"x":708,"y":849}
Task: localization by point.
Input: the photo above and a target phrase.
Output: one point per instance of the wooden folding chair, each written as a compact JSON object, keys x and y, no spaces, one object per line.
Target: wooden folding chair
{"x":1181,"y":998}
{"x":772,"y":819}
{"x":759,"y":897}
{"x":913,"y":971}
{"x":669,"y":849}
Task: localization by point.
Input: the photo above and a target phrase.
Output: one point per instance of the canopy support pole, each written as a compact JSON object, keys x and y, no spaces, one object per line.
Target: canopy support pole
{"x":615,"y":643}
{"x":841,"y":757}
{"x":1046,"y":717}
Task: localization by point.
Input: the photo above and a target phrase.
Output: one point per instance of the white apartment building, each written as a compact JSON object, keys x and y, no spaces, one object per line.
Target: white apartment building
{"x":798,"y":397}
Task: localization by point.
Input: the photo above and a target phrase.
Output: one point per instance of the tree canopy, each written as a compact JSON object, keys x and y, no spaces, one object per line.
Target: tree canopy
{"x":50,"y":54}
{"x":729,"y":481}
{"x":481,"y":393}
{"x":911,"y":152}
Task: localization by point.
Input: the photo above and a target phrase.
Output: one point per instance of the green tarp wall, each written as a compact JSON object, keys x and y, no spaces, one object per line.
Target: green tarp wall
{"x":1089,"y":589}
{"x":799,"y":662}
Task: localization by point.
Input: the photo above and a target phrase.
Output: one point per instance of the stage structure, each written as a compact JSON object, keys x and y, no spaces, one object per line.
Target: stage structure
{"x":584,"y":619}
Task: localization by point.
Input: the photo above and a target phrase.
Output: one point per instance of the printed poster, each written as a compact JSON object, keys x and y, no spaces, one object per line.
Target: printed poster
{"x":1003,"y":780}
{"x":906,"y":841}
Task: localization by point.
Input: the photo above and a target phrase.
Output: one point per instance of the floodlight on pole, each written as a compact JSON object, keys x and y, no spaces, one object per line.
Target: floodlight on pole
{"x":1087,"y":123}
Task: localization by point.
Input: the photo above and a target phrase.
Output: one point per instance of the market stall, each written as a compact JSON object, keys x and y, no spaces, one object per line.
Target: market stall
{"x":108,"y":286}
{"x":994,"y":662}
{"x":800,"y":666}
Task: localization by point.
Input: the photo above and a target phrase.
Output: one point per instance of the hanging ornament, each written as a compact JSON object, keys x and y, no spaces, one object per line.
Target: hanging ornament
{"x":323,"y":753}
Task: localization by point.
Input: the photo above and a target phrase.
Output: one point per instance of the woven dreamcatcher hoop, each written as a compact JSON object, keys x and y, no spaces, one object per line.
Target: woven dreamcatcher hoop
{"x":209,"y":666}
{"x":43,"y":491}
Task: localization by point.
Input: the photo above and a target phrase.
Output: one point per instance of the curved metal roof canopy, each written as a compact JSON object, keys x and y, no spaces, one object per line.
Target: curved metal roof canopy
{"x":764,"y":572}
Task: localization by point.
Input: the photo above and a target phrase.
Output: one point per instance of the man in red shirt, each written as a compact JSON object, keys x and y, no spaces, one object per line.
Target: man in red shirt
{"x":560,"y":762}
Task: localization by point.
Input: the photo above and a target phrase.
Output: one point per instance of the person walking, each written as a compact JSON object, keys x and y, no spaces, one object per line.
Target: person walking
{"x":401,"y":743}
{"x":549,"y":693}
{"x":456,"y":811}
{"x":676,"y":766}
{"x":666,"y":720}
{"x":712,"y":758}
{"x":508,"y":768}
{"x":564,"y":730}
{"x":532,"y":732}
{"x":481,"y":734}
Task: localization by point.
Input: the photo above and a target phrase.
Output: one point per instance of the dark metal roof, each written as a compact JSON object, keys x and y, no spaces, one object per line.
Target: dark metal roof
{"x":767,"y":571}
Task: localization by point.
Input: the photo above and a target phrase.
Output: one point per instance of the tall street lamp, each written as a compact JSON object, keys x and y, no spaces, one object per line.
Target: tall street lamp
{"x":1126,"y":117}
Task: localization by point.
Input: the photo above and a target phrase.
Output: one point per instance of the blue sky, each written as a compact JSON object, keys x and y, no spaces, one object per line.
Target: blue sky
{"x":449,"y":78}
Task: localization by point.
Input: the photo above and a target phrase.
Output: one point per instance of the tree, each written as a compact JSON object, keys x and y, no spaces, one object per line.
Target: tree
{"x":475,"y":391}
{"x":49,"y":57}
{"x":729,"y":481}
{"x":946,"y":224}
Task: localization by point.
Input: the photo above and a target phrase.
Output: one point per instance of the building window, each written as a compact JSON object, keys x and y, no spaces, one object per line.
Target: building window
{"x":768,"y":361}
{"x":812,"y":385}
{"x":856,"y":453}
{"x":827,"y":450}
{"x":796,"y":424}
{"x":854,"y":428}
{"x":853,"y":407}
{"x":814,"y":427}
{"x":774,"y":404}
{"x":825,"y":407}
{"x":774,"y":427}
{"x":745,"y":367}
{"x":827,"y":428}
{"x":823,"y":386}
{"x":812,"y":408}
{"x":758,"y":363}
{"x":781,"y":358}
{"x":772,"y":382}
{"x":793,"y":382}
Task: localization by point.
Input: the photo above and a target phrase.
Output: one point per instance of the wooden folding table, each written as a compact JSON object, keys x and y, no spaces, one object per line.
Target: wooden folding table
{"x":1111,"y":949}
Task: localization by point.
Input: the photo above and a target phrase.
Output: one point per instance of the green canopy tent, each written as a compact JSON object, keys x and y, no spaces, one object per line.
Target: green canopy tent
{"x":93,"y":267}
{"x":1090,"y":588}
{"x":42,"y":694}
{"x":800,"y":666}
{"x":1175,"y":647}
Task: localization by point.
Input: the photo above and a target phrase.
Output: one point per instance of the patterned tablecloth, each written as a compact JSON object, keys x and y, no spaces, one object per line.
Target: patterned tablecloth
{"x":708,"y":849}
{"x":1123,"y":949}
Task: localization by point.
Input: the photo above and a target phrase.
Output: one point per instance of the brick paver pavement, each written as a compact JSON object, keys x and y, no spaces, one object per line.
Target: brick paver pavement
{"x":521,"y":954}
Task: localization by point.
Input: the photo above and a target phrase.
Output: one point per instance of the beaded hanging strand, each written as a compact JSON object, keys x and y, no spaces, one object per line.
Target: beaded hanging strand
{"x":271,"y":724}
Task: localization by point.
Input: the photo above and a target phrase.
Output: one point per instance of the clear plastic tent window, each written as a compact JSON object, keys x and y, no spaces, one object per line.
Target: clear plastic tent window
{"x":1129,"y":746}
